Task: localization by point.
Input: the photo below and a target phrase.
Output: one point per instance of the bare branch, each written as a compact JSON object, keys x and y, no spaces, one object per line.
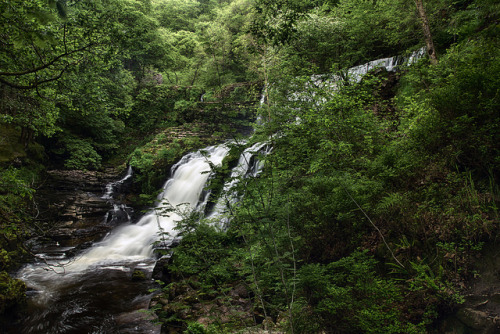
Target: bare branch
{"x":374,"y":226}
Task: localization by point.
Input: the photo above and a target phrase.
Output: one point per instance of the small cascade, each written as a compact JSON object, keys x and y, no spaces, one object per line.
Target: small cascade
{"x":329,"y":83}
{"x":389,"y":64}
{"x":133,"y":242}
{"x":248,"y":166}
{"x":356,"y":73}
{"x":181,"y":193}
{"x":120,"y":213}
{"x":115,"y":186}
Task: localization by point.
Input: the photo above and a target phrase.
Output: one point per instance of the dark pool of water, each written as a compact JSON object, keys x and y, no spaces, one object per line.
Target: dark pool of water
{"x":103,"y":300}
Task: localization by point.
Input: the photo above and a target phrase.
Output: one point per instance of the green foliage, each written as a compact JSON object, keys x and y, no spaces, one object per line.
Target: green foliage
{"x":162,"y":106}
{"x":16,"y":196}
{"x":197,"y":328}
{"x":472,"y":120}
{"x":16,"y":192}
{"x":152,"y":161}
{"x":204,"y":252}
{"x":473,"y":16}
{"x":276,"y":24}
{"x":177,"y":14}
{"x":323,"y":35}
{"x":81,"y":155}
{"x":404,"y":166}
{"x":93,"y":69}
{"x":349,"y":297}
{"x":209,"y":43}
{"x":12,"y":292}
{"x":422,"y":170}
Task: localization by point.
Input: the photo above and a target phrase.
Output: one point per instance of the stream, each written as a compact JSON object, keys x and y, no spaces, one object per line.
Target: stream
{"x":95,"y":290}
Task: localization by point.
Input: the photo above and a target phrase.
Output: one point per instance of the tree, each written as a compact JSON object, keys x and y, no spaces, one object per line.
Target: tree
{"x":41,"y":44}
{"x":431,"y":51}
{"x":177,"y":14}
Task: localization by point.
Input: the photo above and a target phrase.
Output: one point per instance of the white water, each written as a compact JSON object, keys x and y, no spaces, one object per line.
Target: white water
{"x":329,"y":83}
{"x":132,"y":243}
{"x":389,"y":64}
{"x":245,"y":167}
{"x":182,"y":191}
{"x":110,"y":187}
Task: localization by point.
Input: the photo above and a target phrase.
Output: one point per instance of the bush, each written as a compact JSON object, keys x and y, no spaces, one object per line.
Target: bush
{"x":82,"y":154}
{"x":457,"y":107}
{"x":12,"y":292}
{"x":347,"y":296}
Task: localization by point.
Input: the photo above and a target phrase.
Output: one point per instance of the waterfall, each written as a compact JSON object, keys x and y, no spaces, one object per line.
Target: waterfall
{"x":329,"y":83}
{"x":94,"y":292}
{"x":120,"y":212}
{"x":130,"y":247}
{"x":182,"y":192}
{"x":389,"y":64}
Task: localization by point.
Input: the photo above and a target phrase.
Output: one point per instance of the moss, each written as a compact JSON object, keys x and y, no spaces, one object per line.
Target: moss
{"x":152,"y":161}
{"x":10,"y":147}
{"x":12,"y":292}
{"x":138,"y":275}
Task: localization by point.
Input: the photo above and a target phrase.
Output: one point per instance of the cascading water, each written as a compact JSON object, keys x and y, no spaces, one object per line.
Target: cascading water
{"x":182,"y":192}
{"x":121,"y":212}
{"x":328,"y":83}
{"x":94,"y":292}
{"x":248,"y":166}
{"x":389,"y":64}
{"x":111,"y":187}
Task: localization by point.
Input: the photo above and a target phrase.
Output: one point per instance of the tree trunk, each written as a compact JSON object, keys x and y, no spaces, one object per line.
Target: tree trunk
{"x":427,"y":32}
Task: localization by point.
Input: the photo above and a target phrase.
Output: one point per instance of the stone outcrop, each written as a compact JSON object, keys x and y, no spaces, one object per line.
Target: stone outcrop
{"x":480,"y":313}
{"x":73,"y":208}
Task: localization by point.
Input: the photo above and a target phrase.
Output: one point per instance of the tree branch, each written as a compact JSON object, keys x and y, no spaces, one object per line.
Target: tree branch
{"x":47,"y":65}
{"x":373,"y":224}
{"x":431,"y":50}
{"x":37,"y":83}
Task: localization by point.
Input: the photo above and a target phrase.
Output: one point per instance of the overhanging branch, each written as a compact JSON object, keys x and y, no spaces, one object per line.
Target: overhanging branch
{"x":37,"y":83}
{"x":44,"y":66}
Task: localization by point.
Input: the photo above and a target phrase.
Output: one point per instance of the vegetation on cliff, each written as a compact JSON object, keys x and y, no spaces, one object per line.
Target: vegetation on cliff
{"x":376,"y":200}
{"x":377,"y":197}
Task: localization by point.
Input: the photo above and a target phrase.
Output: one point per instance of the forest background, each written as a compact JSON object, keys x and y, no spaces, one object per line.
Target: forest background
{"x":377,"y":198}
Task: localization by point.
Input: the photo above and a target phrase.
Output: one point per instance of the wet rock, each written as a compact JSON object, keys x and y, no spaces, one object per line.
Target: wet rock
{"x":73,"y":208}
{"x":161,"y":270}
{"x":137,"y":322}
{"x":480,"y":313}
{"x":138,"y":275}
{"x":477,"y":320}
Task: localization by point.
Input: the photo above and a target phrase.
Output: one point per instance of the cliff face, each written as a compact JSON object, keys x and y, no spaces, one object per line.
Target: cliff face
{"x":480,"y":312}
{"x":73,"y":209}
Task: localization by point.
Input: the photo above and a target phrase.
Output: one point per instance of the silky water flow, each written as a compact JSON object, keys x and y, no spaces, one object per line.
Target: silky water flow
{"x":93,"y":292}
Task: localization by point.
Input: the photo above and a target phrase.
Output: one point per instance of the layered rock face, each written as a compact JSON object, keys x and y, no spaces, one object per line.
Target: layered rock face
{"x":480,"y":312}
{"x":74,"y":208}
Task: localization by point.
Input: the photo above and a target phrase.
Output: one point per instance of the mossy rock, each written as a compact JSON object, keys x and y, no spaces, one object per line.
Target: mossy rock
{"x":138,"y":275}
{"x":12,"y":292}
